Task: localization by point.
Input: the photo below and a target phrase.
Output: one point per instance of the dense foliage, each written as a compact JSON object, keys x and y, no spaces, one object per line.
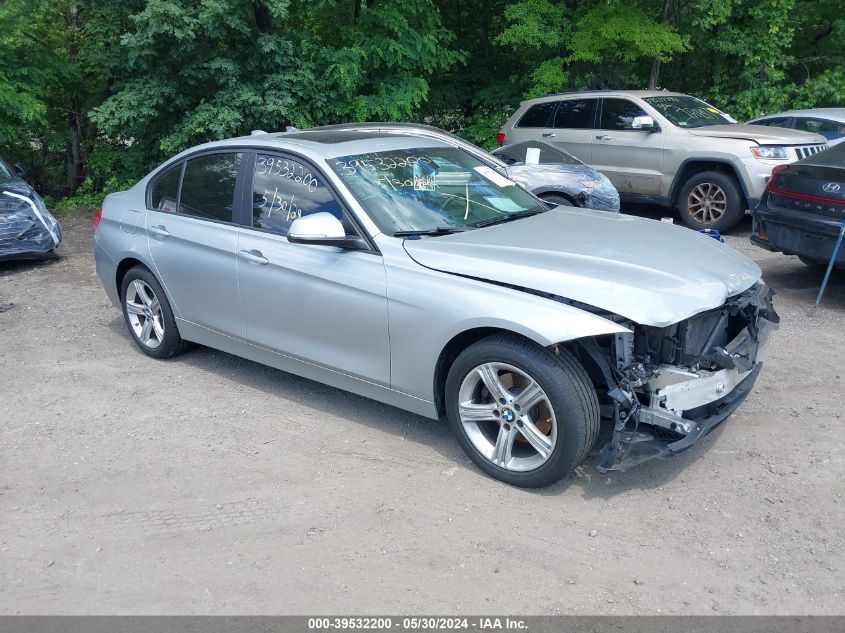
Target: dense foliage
{"x":95,"y":92}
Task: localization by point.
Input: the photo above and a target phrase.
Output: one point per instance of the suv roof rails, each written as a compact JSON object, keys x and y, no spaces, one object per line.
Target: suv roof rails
{"x":578,"y":92}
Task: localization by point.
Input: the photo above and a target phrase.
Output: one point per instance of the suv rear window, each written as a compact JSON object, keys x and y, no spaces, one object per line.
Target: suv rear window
{"x":538,"y":115}
{"x":576,"y":114}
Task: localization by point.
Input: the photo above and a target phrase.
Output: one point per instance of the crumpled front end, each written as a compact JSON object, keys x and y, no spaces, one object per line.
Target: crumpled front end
{"x":27,"y":229}
{"x":671,"y":386}
{"x":589,"y":188}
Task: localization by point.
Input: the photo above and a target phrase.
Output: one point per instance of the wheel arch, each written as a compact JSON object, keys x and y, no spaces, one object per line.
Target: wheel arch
{"x":125,"y":265}
{"x":570,"y":195}
{"x":692,"y":166}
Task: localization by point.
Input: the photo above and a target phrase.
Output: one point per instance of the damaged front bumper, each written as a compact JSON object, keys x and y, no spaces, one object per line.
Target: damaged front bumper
{"x":660,"y":410}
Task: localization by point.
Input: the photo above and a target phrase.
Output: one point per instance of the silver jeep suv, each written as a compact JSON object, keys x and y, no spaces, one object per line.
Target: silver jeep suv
{"x":665,"y":148}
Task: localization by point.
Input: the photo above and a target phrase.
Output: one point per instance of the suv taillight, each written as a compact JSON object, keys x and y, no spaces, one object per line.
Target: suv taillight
{"x":97,"y":217}
{"x":500,"y":138}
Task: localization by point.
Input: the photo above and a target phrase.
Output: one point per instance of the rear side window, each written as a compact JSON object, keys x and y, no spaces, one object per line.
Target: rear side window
{"x":208,"y":187}
{"x":619,"y":114}
{"x":165,"y":191}
{"x":576,"y":114}
{"x":538,"y":115}
{"x":773,"y":122}
{"x":284,"y":189}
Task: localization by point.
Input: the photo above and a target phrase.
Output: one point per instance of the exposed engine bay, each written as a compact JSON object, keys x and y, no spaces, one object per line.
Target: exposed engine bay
{"x":668,"y":387}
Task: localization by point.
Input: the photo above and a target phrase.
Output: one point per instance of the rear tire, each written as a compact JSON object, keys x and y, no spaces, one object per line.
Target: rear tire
{"x":148,"y":316}
{"x":711,"y":200}
{"x":532,"y":445}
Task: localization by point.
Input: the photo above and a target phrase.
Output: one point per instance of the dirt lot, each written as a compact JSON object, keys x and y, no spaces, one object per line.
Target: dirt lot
{"x":210,"y":484}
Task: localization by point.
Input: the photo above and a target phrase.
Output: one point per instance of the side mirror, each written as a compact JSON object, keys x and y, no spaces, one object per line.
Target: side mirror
{"x":644,"y":124}
{"x":317,"y":228}
{"x":19,"y":170}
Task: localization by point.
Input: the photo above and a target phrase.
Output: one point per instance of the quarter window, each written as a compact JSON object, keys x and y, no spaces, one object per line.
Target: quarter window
{"x":619,"y":114}
{"x":165,"y":191}
{"x":575,"y":114}
{"x":284,"y":190}
{"x":208,"y":187}
{"x":537,"y":116}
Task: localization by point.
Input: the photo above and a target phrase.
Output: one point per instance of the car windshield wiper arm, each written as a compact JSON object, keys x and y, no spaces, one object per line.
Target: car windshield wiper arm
{"x":440,"y":230}
{"x":505,"y":218}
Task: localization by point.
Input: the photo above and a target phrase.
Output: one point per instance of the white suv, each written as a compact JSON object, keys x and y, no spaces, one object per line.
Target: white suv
{"x":666,"y":148}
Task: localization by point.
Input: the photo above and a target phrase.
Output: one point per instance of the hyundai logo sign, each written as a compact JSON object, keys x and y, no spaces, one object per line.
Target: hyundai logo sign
{"x":831,"y":187}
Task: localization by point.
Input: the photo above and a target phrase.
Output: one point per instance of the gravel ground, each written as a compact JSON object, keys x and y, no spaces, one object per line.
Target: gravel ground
{"x":210,"y":484}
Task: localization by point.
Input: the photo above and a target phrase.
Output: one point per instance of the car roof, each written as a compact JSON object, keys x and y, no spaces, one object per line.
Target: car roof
{"x":605,"y":93}
{"x":837,"y":114}
{"x":330,"y":143}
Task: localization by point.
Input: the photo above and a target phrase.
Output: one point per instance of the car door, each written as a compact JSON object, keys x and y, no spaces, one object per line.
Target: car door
{"x":632,"y":159}
{"x":323,"y":304}
{"x":572,"y":128}
{"x":192,"y":233}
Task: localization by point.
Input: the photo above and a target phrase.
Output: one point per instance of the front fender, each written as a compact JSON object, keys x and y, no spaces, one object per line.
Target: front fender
{"x":428,"y":309}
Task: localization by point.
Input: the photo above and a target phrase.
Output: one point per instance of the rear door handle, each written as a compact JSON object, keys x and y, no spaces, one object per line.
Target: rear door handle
{"x":602,"y":137}
{"x":548,"y":134}
{"x":254,"y":257}
{"x":159,"y":231}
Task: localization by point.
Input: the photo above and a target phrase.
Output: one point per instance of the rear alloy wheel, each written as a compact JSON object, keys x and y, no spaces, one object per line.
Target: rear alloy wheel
{"x":523,"y":413}
{"x":711,"y":200}
{"x":148,"y":315}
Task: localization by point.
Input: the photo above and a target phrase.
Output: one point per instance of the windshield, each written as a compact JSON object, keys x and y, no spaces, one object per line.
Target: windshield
{"x":688,"y":112}
{"x":431,"y":189}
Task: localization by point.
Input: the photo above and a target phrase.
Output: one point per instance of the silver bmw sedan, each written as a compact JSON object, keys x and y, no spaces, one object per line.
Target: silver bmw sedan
{"x":403,"y":268}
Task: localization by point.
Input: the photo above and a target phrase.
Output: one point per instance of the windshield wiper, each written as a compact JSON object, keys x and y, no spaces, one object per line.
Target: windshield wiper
{"x":506,"y":218}
{"x":440,"y":230}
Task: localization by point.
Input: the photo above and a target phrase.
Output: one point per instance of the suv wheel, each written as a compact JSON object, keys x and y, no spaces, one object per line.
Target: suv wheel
{"x":524,"y":414}
{"x":711,"y":200}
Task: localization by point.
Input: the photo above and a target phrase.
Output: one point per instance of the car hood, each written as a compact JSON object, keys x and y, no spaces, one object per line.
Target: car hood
{"x":761,"y":134}
{"x":651,"y":272}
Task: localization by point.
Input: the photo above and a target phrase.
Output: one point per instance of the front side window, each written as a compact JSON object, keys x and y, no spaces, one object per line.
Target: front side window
{"x":619,"y":114}
{"x":831,"y":130}
{"x":688,"y":112}
{"x":165,"y":190}
{"x":424,"y":189}
{"x":284,"y":189}
{"x":575,"y":114}
{"x":208,"y":187}
{"x":537,"y":116}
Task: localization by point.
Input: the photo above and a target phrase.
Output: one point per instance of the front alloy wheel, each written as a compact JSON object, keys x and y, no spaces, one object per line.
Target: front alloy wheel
{"x":707,"y":203}
{"x":507,"y":416}
{"x":525,"y":414}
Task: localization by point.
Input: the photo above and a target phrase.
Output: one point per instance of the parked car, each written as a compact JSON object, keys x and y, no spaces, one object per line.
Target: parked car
{"x":403,"y":268}
{"x":828,"y":122}
{"x":27,"y":229}
{"x":558,"y":177}
{"x":665,"y":148}
{"x":803,"y":208}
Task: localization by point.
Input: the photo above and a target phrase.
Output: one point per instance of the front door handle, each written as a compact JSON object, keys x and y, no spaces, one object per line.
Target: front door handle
{"x":159,"y":231}
{"x":548,"y":134}
{"x":254,"y":257}
{"x":602,"y":137}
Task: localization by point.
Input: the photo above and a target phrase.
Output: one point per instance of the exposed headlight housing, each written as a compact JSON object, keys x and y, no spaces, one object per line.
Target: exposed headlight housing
{"x":769,"y":152}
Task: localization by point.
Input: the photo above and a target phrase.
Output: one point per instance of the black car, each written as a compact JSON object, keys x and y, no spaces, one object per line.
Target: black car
{"x":803,"y":207}
{"x":27,"y":229}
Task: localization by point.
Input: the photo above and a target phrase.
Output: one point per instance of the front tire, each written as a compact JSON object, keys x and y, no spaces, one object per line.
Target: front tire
{"x":711,"y":200}
{"x":556,"y":199}
{"x":148,"y":316}
{"x":523,"y":413}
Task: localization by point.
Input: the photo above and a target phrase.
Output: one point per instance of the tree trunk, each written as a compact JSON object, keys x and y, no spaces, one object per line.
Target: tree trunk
{"x":665,"y":16}
{"x":75,"y":163}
